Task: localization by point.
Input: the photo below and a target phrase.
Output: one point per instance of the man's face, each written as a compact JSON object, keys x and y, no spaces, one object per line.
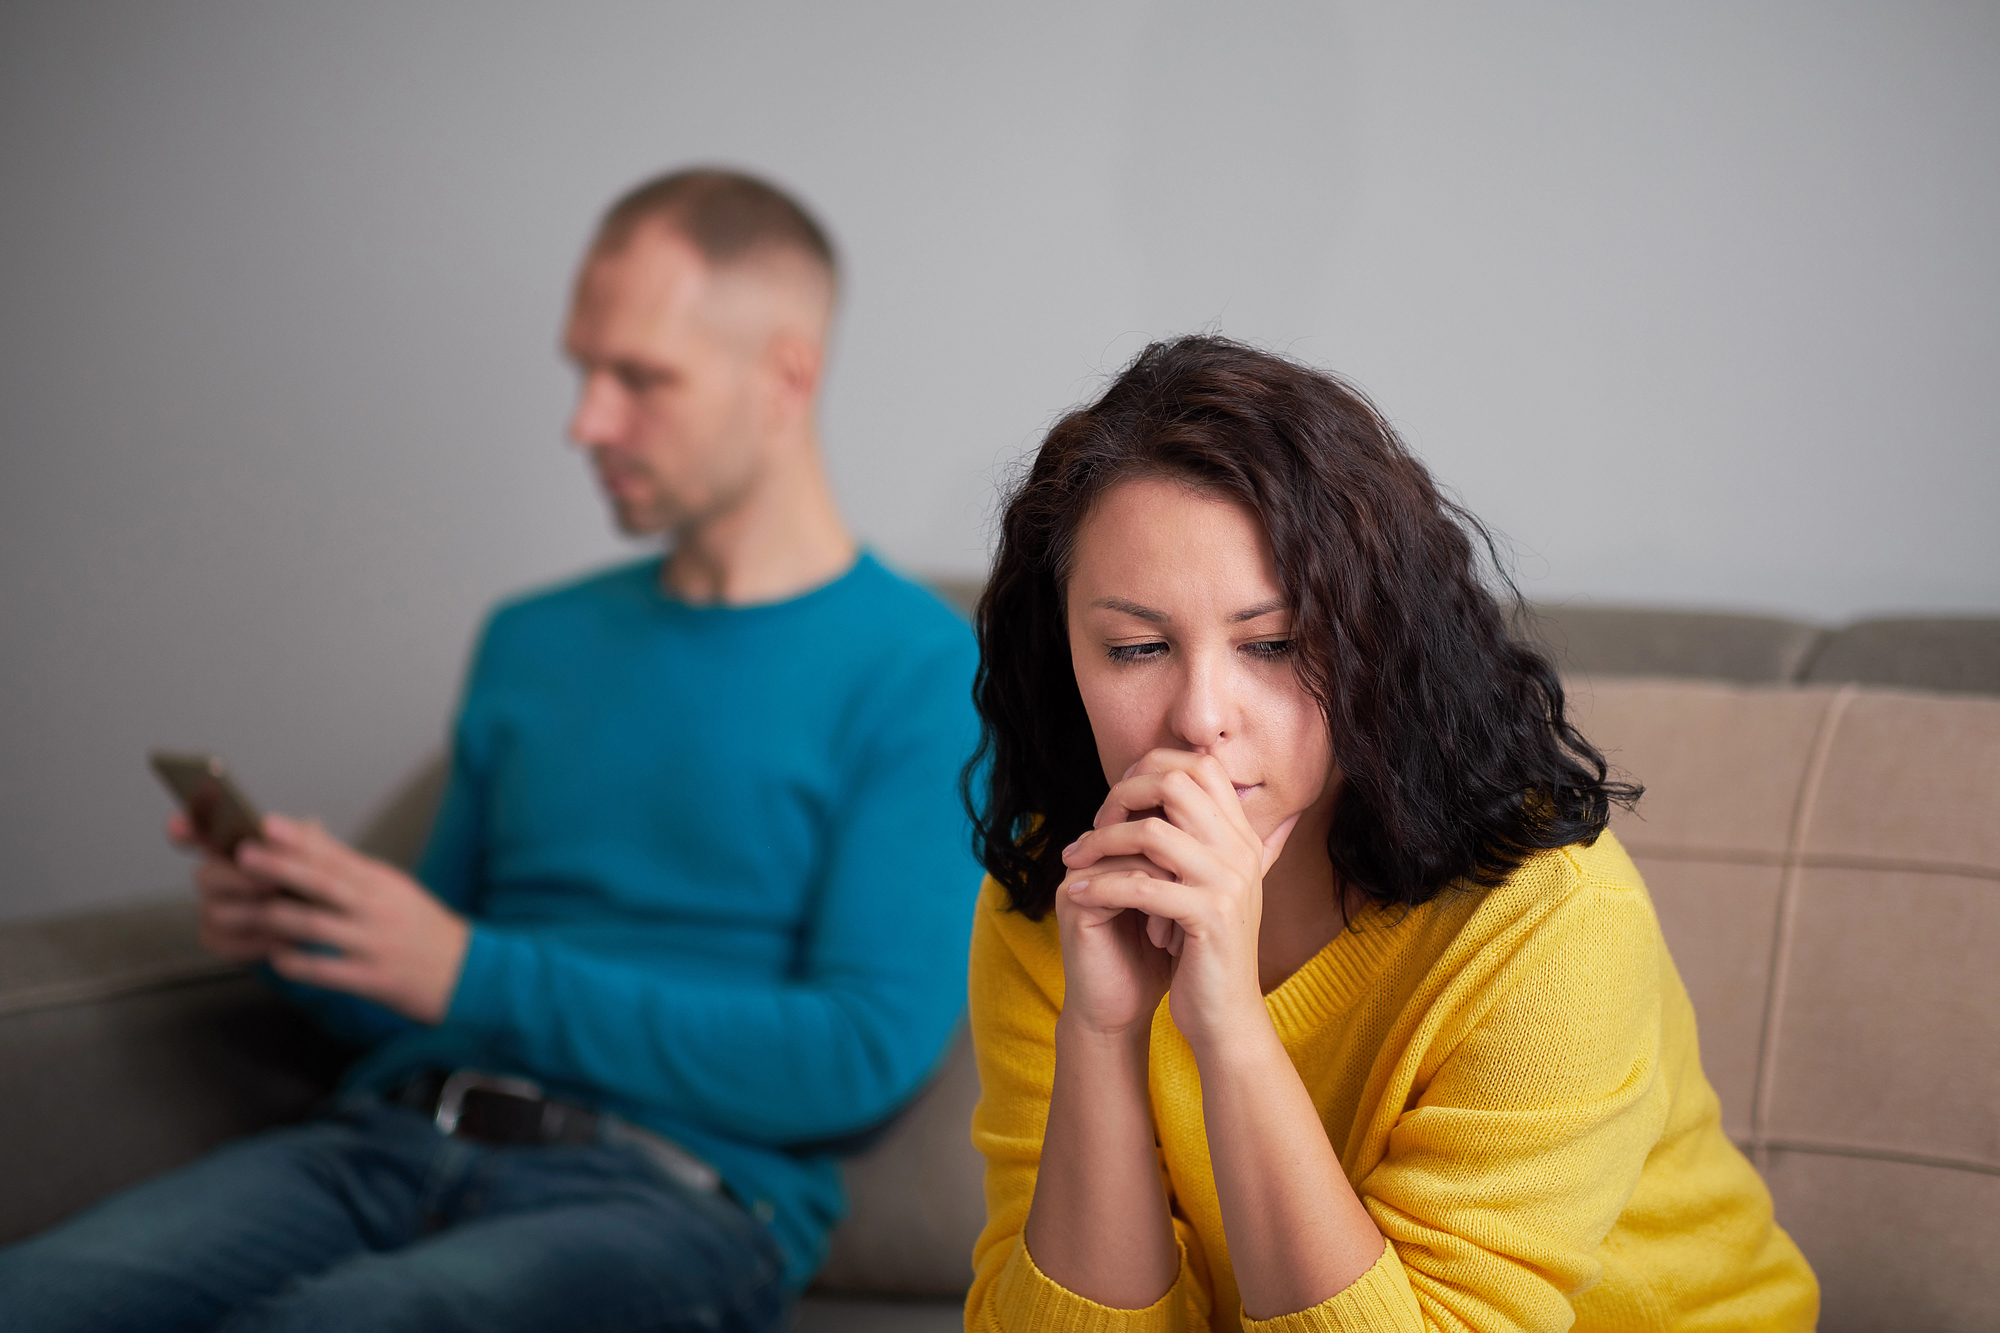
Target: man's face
{"x":669,"y":408}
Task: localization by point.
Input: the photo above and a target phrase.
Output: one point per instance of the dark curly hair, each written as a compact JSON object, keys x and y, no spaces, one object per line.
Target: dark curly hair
{"x":1457,"y":758}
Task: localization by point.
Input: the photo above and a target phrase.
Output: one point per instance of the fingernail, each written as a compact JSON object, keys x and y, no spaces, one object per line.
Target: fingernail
{"x":1072,"y":847}
{"x":1079,"y":886}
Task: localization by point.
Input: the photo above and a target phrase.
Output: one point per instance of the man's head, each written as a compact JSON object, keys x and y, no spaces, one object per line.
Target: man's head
{"x":699,"y":327}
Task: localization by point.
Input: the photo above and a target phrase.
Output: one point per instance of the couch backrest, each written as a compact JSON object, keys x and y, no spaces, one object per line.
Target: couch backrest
{"x":1826,"y":867}
{"x":1712,"y":645}
{"x":125,"y":1050}
{"x":1959,"y":653}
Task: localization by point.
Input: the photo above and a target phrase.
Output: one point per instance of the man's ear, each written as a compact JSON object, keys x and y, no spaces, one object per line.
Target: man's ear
{"x":794,"y":363}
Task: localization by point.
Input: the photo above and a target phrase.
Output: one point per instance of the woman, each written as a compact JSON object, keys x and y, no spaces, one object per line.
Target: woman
{"x":1260,"y":745}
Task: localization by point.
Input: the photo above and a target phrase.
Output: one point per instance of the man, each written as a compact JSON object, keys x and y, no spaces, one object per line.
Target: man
{"x":695,"y":907}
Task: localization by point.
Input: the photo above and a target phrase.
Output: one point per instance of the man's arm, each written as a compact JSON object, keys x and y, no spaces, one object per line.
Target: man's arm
{"x":830,"y":1050}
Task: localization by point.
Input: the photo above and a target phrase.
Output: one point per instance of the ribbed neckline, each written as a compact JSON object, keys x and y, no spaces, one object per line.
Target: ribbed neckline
{"x":1329,"y":982}
{"x":658,"y":596}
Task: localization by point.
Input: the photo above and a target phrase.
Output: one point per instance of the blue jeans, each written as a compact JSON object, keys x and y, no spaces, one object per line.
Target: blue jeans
{"x":371,"y":1219}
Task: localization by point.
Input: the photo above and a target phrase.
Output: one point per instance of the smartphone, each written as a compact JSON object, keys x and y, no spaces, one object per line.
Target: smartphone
{"x":221,"y":814}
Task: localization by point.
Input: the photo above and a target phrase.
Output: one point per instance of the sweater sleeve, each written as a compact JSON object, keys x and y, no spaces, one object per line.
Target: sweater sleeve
{"x":1016,"y":994}
{"x":1539,"y":1096}
{"x":451,"y":865}
{"x":863,"y":1015}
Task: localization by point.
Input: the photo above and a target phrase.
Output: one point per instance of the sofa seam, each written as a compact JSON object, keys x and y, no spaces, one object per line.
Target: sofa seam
{"x":1787,"y":912}
{"x":1823,"y":1148}
{"x":1815,"y":860}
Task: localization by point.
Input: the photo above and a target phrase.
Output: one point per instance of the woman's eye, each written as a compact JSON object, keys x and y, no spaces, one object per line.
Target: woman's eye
{"x":1133,"y":652}
{"x":1269,"y":647}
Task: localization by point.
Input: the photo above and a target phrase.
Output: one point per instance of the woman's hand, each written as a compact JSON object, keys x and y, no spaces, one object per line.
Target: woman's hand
{"x":1173,"y":850}
{"x":1166,"y":892}
{"x":1098,"y":1223}
{"x":1113,"y":975}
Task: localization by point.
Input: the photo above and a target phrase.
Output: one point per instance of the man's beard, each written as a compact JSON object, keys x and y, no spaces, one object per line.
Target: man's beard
{"x":654,"y":512}
{"x":636,"y":519}
{"x":640,"y":505}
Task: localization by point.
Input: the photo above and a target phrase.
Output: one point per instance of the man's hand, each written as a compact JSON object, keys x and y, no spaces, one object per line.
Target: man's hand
{"x":299,"y":885}
{"x":232,"y":903}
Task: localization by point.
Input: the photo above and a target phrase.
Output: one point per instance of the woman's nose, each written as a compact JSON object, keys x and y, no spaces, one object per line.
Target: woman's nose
{"x":1203,"y":715}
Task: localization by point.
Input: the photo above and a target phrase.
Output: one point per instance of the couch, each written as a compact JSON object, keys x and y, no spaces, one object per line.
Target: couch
{"x":1821,"y":839}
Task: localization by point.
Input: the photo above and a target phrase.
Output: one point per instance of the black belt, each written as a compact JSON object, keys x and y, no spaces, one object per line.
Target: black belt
{"x":493,"y":1109}
{"x":513,"y":1113}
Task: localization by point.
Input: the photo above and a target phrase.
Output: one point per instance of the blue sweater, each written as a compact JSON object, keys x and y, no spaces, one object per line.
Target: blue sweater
{"x":719,"y":880}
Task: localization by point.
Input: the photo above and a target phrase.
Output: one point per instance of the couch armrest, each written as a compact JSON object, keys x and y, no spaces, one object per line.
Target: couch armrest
{"x":125,"y":1051}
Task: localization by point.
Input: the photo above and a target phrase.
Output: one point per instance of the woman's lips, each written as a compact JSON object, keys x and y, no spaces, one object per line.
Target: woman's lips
{"x":1243,"y":790}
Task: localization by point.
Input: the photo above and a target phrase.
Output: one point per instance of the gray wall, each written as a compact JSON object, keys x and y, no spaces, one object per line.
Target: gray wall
{"x":1696,"y":303}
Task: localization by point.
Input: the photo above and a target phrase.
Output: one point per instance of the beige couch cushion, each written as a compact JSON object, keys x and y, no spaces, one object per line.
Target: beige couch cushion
{"x":1912,"y":779}
{"x":1897,"y":1246}
{"x":1723,"y":767}
{"x":1826,"y":865}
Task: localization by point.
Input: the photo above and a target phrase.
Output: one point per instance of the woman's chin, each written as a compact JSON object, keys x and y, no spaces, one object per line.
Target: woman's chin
{"x":1264,"y":816}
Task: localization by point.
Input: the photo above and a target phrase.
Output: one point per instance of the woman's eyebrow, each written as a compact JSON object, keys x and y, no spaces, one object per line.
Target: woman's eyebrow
{"x":1261,"y":609}
{"x":1132,"y":609}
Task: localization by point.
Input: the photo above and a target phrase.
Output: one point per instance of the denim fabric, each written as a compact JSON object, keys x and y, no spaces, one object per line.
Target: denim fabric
{"x":372,"y":1219}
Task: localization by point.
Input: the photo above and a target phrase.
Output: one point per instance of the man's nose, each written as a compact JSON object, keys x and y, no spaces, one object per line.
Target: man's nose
{"x":598,"y":418}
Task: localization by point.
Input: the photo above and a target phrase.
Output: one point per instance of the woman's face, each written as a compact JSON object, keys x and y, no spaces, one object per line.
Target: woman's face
{"x":1180,"y":634}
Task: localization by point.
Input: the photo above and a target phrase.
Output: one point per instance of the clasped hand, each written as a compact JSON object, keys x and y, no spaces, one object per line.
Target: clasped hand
{"x":324,"y":914}
{"x":1164,"y":895}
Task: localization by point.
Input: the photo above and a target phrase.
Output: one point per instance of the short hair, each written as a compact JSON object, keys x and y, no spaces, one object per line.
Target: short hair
{"x":727,"y":215}
{"x":1457,"y":757}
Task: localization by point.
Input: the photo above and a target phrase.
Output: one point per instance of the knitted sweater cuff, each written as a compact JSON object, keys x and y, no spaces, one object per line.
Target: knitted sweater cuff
{"x":1377,"y":1301}
{"x":1027,"y":1298}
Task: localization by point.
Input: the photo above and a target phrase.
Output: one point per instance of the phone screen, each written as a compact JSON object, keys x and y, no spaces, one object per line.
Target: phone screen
{"x":222,"y":816}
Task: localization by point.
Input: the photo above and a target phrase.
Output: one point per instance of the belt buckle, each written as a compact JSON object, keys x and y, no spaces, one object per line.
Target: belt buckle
{"x":451,"y":1097}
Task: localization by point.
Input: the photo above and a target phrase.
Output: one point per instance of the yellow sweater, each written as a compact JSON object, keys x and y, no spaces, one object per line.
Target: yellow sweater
{"x":1512,"y":1082}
